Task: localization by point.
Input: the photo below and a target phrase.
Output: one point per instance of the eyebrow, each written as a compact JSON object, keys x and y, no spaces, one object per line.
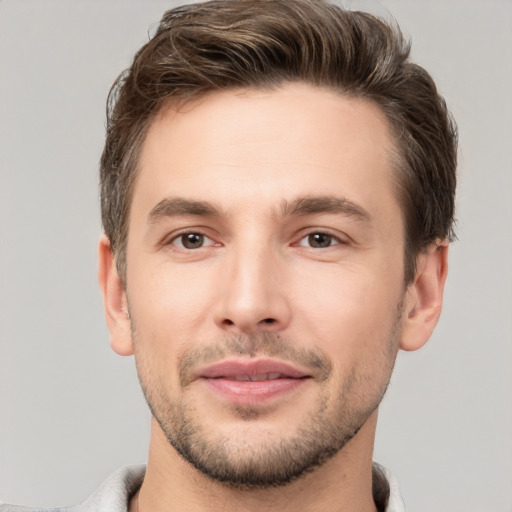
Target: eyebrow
{"x":324,"y":204}
{"x":174,"y":207}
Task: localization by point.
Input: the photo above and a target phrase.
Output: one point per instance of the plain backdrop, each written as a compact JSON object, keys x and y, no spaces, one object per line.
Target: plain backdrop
{"x":71,"y":411}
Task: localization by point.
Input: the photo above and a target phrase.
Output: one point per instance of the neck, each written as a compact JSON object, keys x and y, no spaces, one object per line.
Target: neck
{"x":342,"y":483}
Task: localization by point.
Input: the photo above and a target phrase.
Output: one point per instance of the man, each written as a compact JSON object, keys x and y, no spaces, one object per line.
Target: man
{"x":277,"y":192}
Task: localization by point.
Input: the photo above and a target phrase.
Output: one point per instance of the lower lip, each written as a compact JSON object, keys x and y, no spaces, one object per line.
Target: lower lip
{"x":253,"y":392}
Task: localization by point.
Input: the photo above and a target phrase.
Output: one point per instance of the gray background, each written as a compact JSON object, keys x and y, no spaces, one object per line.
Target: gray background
{"x":71,"y":411}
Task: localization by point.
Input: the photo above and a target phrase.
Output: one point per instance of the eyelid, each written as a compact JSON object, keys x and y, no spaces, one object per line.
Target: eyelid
{"x":176,"y":235}
{"x":339,"y":238}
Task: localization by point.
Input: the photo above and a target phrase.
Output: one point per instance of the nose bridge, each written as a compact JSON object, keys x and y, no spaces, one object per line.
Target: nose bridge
{"x":253,"y":295}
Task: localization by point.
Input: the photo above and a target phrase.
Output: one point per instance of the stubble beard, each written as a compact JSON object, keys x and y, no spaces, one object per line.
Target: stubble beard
{"x":246,"y":463}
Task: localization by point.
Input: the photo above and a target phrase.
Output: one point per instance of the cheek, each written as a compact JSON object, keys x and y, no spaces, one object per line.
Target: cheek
{"x":349,"y":313}
{"x":168,"y":307}
{"x":173,"y":287}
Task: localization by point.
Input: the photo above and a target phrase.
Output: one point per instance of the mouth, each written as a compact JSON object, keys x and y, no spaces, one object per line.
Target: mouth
{"x":258,"y":378}
{"x":252,"y":382}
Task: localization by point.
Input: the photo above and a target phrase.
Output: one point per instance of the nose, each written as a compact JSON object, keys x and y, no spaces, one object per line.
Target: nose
{"x":253,"y":296}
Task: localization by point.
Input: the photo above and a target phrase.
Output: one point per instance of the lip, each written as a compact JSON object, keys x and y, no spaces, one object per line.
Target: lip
{"x":233,"y":368}
{"x":252,"y":382}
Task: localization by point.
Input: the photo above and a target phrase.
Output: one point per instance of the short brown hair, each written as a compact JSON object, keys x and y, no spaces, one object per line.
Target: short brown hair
{"x":228,"y":44}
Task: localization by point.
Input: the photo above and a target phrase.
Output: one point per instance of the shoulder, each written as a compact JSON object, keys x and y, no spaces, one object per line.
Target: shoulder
{"x":386,"y":492}
{"x":5,"y":507}
{"x":113,"y":494}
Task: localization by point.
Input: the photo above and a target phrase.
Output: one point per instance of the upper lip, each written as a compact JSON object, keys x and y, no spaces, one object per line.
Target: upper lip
{"x":240,"y":368}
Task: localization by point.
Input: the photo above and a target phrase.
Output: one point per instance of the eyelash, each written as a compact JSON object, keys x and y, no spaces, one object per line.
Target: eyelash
{"x":178,"y":239}
{"x":333,"y":239}
{"x":180,"y":236}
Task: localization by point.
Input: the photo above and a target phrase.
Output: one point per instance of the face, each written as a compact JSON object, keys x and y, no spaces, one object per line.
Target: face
{"x":265,"y":278}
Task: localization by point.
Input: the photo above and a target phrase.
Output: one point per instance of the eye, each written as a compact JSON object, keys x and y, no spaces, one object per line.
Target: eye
{"x":319,"y":240}
{"x":191,"y":241}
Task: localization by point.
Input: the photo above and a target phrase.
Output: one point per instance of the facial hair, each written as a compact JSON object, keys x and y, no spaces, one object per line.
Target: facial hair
{"x":244,"y":462}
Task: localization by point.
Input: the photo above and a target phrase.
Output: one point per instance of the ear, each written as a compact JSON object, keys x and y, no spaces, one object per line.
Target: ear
{"x":114,"y":300}
{"x":424,"y":297}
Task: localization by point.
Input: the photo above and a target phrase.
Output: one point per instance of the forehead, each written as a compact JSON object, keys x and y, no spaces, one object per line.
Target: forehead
{"x":248,"y":147}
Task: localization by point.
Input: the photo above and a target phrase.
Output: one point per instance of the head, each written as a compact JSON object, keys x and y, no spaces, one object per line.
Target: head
{"x":221,"y":45}
{"x":277,"y":193}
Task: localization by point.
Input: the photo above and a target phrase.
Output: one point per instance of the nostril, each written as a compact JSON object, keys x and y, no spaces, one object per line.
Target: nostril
{"x":227,"y":322}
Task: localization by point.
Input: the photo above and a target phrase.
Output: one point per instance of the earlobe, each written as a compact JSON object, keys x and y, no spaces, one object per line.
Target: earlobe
{"x":114,"y":300}
{"x":424,"y":297}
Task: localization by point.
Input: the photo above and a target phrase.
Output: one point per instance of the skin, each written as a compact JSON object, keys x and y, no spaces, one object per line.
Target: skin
{"x":267,"y":168}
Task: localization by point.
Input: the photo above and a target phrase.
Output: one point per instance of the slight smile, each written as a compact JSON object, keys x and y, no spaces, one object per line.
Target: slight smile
{"x":252,"y":382}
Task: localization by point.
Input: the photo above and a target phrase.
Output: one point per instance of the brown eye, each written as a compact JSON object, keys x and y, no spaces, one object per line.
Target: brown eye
{"x":191,"y":240}
{"x":320,"y":240}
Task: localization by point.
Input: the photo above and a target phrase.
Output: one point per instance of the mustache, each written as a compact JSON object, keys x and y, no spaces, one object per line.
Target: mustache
{"x":266,"y":344}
